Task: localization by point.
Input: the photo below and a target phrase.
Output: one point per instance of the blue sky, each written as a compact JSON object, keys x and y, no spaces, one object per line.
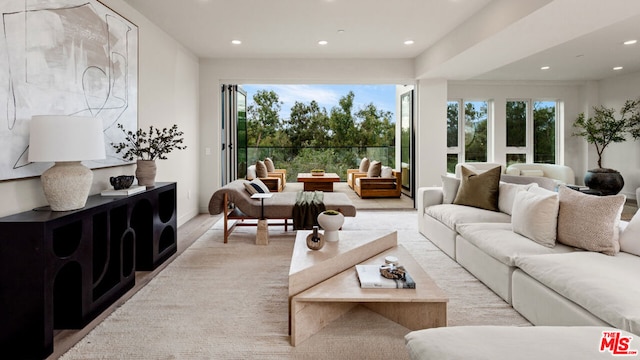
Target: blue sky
{"x":327,"y":96}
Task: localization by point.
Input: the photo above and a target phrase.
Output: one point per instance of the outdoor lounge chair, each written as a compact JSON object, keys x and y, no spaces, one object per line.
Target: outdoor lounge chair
{"x":237,"y":205}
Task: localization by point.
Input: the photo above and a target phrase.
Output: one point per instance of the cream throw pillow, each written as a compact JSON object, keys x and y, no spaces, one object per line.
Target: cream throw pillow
{"x":256,"y":186}
{"x":630,"y":236}
{"x":479,"y":190}
{"x":507,"y":195}
{"x":535,"y":216}
{"x":589,"y":222}
{"x":364,"y":165}
{"x":450,"y":187}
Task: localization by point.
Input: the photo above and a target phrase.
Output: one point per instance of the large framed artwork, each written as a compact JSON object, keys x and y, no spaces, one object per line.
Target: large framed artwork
{"x":64,"y":57}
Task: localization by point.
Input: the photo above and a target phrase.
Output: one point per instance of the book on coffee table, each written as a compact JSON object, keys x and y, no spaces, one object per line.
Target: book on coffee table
{"x":370,"y":278}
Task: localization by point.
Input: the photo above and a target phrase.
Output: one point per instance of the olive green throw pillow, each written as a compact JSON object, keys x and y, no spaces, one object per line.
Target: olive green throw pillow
{"x":479,"y":190}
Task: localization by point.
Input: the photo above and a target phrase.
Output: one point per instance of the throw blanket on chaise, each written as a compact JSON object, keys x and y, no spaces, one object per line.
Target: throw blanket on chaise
{"x":309,"y":204}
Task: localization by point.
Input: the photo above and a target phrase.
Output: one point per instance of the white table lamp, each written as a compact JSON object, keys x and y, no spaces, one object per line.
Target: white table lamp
{"x":66,"y":140}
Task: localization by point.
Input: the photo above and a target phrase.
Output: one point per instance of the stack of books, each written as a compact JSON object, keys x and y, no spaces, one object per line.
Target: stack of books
{"x":370,"y":278}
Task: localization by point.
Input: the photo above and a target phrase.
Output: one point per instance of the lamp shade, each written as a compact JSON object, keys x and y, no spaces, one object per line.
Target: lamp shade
{"x":65,"y":138}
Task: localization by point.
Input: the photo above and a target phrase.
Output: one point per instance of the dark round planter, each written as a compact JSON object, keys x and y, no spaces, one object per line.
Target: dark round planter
{"x":606,"y":181}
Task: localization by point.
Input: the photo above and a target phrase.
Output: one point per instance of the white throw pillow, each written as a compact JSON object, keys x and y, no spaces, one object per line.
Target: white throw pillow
{"x":450,"y":187}
{"x":535,"y":216}
{"x":386,"y":172}
{"x":512,"y":171}
{"x":256,"y":186}
{"x":630,"y":236}
{"x":507,"y":195}
{"x":590,"y":222}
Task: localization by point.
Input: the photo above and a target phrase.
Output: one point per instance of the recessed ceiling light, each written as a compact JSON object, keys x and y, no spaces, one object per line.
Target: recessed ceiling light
{"x":323,"y":42}
{"x":408,"y":42}
{"x":630,"y":42}
{"x":236,"y":42}
{"x":340,"y":31}
{"x":617,"y":68}
{"x":545,"y":68}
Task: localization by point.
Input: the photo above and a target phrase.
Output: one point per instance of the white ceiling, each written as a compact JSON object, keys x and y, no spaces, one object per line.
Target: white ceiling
{"x":455,"y":39}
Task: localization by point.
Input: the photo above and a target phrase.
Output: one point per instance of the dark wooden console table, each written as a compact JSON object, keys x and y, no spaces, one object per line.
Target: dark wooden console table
{"x":59,"y":270}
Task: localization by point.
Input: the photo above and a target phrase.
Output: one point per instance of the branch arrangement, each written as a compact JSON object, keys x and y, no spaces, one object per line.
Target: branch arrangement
{"x":152,"y":145}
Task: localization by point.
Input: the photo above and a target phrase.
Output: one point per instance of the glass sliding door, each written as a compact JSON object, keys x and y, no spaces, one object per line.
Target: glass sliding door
{"x":406,"y":141}
{"x":234,"y":133}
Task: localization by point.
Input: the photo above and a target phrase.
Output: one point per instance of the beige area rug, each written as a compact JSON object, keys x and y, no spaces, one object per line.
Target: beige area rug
{"x":229,"y":301}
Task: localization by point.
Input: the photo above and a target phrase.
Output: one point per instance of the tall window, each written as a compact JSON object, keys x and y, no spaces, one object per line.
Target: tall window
{"x":517,"y":113}
{"x":466,"y":121}
{"x":544,"y":133}
{"x":531,"y":131}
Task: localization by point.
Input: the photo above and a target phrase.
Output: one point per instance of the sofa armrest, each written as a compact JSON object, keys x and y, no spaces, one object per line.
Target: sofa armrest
{"x":351,"y":176}
{"x":428,"y":196}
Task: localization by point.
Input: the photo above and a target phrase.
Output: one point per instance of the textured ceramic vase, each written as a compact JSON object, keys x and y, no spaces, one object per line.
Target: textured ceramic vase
{"x":331,"y":222}
{"x":146,"y":172}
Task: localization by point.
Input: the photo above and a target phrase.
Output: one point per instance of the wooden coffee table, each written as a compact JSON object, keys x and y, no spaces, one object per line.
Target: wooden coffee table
{"x":340,"y":291}
{"x":318,"y":182}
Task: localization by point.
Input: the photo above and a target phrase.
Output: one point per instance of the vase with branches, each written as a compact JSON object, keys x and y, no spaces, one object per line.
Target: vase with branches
{"x":146,"y":147}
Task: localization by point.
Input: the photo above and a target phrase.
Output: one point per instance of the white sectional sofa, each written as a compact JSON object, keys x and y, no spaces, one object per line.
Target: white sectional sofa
{"x":556,"y":284}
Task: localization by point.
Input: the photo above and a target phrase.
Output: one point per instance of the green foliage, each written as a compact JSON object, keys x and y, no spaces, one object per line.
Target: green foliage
{"x":155,"y":144}
{"x":309,"y":125}
{"x":263,"y":119}
{"x":603,"y":128}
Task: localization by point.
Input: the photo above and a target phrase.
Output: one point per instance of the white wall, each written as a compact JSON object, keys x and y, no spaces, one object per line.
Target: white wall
{"x":214,"y":72}
{"x":625,"y":156}
{"x":167,"y":94}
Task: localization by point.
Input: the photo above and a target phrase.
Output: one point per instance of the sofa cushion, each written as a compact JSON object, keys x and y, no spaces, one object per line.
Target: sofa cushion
{"x":606,"y":286}
{"x":479,"y":190}
{"x":261,"y":169}
{"x":450,"y":187}
{"x":375,"y":167}
{"x":589,"y":222}
{"x":501,"y":243}
{"x":511,"y":342}
{"x":269,"y":164}
{"x":535,"y":216}
{"x":507,"y":194}
{"x":452,"y":215}
{"x":364,"y":165}
{"x":630,"y":236}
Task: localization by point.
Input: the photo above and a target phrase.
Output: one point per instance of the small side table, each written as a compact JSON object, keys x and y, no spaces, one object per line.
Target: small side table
{"x":262,"y":233}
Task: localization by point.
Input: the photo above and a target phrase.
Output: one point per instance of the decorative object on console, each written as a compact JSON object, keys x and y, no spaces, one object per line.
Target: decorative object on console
{"x":147,"y":147}
{"x":331,"y":221}
{"x":121,"y":182}
{"x":315,"y":240}
{"x":603,"y":129}
{"x":66,"y":140}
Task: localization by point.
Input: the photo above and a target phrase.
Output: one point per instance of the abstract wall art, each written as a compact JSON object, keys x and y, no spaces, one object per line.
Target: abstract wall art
{"x":64,"y":57}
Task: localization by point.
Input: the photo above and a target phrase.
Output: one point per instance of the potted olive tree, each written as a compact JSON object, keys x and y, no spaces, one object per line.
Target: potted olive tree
{"x":602,"y":129}
{"x":146,"y":147}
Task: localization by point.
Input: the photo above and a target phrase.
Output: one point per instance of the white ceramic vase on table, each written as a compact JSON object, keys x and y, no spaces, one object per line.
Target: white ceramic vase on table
{"x":331,"y":222}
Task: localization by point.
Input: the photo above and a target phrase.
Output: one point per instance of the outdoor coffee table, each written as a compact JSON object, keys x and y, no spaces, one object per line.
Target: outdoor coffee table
{"x":340,"y":291}
{"x":322,"y":182}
